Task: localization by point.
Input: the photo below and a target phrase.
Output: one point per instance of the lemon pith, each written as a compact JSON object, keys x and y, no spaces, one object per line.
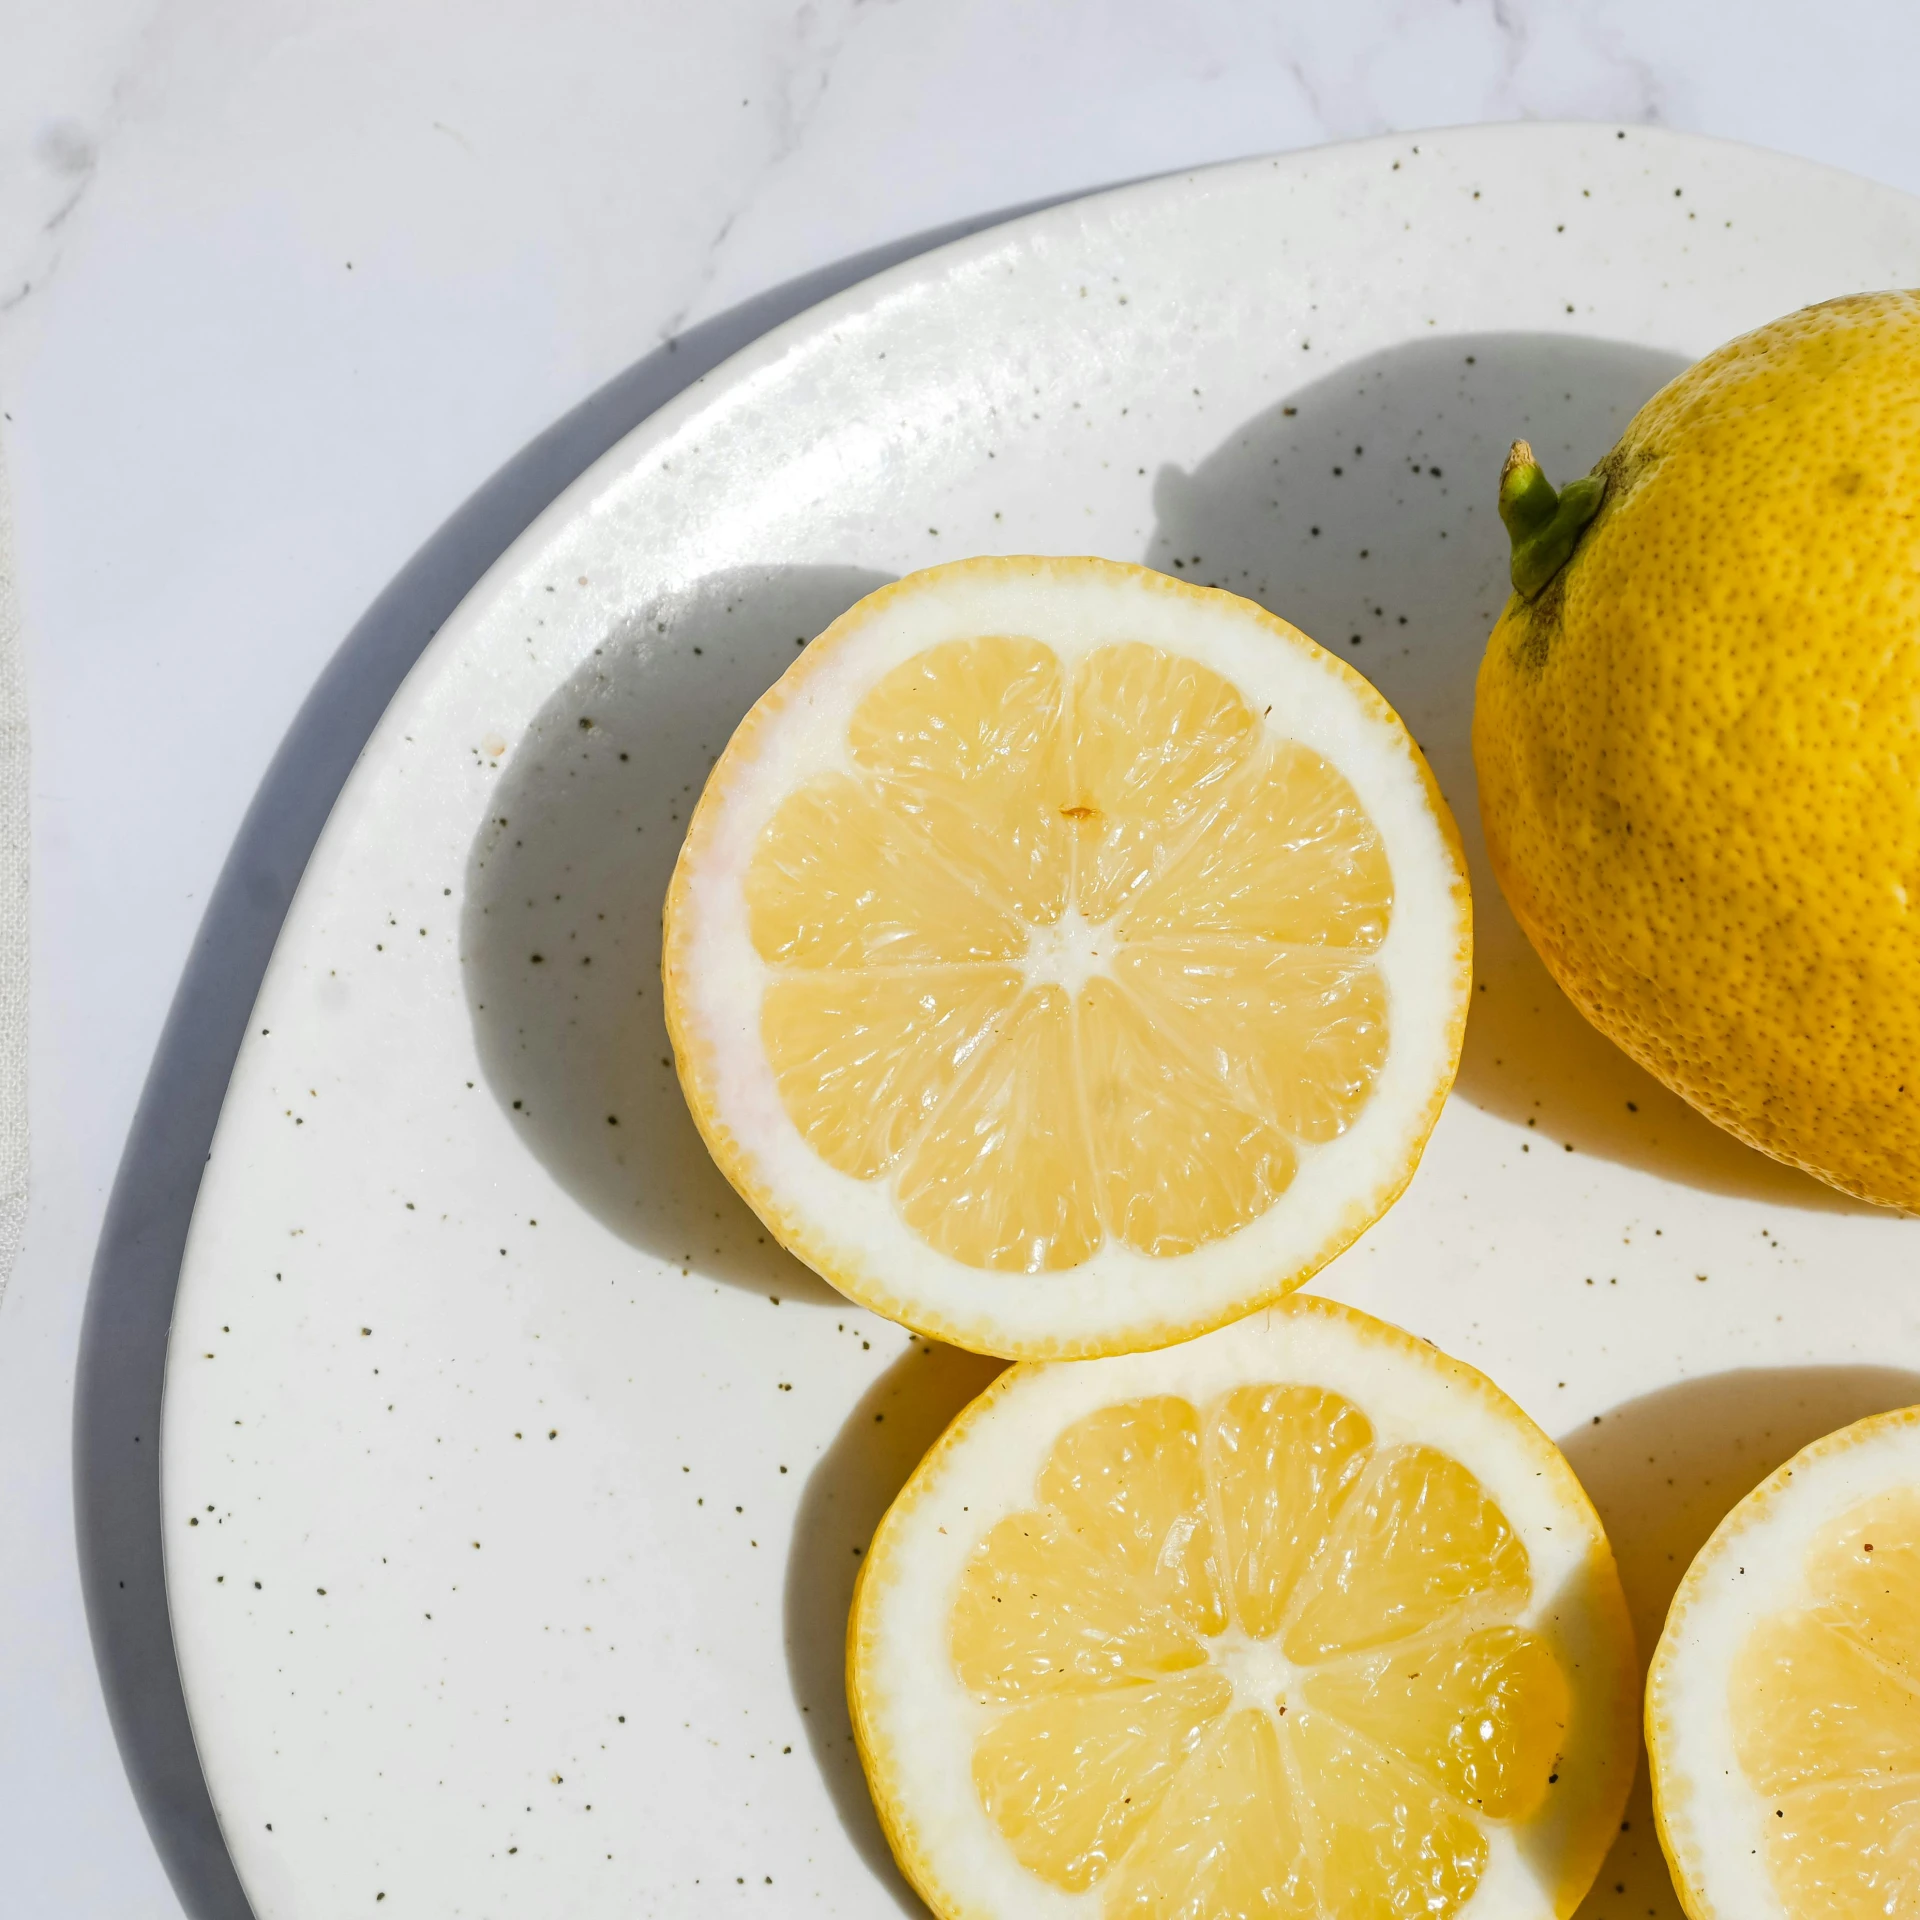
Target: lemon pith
{"x":1783,"y":1704}
{"x":1245,"y":1643}
{"x":1064,"y":958}
{"x":1694,"y":744}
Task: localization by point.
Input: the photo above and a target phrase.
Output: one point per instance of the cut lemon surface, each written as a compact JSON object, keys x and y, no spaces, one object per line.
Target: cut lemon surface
{"x":1783,"y":1706}
{"x":1064,"y":959}
{"x":1300,"y":1618}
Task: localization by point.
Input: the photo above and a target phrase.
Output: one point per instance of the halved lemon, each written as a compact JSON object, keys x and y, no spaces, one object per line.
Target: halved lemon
{"x":1300,"y":1619}
{"x":1064,"y":959}
{"x":1783,"y":1705}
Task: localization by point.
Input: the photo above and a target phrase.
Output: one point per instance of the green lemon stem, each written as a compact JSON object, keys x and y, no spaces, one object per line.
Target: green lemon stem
{"x":1543,"y":525}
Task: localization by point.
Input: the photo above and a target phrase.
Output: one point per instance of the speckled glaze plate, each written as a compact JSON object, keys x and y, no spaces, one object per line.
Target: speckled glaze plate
{"x":514,"y":1484}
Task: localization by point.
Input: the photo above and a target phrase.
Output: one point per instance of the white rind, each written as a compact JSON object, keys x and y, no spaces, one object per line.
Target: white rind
{"x":925,"y":1723}
{"x":1752,"y":1568}
{"x":851,"y":1230}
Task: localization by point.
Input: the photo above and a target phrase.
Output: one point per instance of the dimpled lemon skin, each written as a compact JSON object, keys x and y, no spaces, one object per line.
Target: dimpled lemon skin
{"x":1699,"y":746}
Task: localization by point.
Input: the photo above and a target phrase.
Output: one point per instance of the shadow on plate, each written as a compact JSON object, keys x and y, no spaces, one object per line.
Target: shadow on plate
{"x":899,"y":1418}
{"x":560,"y":935}
{"x":1663,"y":1471}
{"x":1363,"y":511}
{"x":136,"y":1268}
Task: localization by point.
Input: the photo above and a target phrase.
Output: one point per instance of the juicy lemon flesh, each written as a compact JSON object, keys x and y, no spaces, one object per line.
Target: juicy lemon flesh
{"x":1070,"y":957}
{"x":1248,"y":1659}
{"x":1826,"y":1714}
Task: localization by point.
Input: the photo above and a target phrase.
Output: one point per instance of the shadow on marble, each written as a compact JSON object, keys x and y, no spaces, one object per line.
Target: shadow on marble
{"x":1362,"y":509}
{"x":897,"y":1420}
{"x":560,"y":934}
{"x":137,"y":1263}
{"x":1663,"y":1471}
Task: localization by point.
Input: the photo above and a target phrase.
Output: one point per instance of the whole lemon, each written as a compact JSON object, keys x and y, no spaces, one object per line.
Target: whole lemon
{"x":1697,"y":732}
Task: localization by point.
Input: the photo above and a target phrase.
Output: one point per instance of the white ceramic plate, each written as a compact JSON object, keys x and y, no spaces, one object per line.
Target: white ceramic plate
{"x":514,"y":1483}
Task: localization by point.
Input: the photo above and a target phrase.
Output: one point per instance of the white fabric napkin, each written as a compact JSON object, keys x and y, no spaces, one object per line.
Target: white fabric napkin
{"x":13,"y":904}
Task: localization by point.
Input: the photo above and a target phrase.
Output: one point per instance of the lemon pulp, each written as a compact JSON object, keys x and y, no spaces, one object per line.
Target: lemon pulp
{"x":1825,"y":1701}
{"x":1052,"y":919}
{"x":1070,"y":956}
{"x":1245,"y":1658}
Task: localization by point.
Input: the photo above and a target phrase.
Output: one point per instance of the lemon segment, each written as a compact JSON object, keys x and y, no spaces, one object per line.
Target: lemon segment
{"x":1299,"y":1618}
{"x":1003,"y":1175}
{"x":1783,"y":1708}
{"x":1481,"y":1715}
{"x":841,"y":880}
{"x":1070,"y":1780}
{"x":863,"y":1061}
{"x":1390,"y":1843}
{"x":1294,"y":1036}
{"x":1419,"y":1540}
{"x":1289,"y":856}
{"x":965,"y":742}
{"x":1063,"y":959}
{"x":1239,"y":1787}
{"x":1156,"y":737}
{"x":1283,"y":1460}
{"x":1130,"y":1482}
{"x":1181,"y":1163}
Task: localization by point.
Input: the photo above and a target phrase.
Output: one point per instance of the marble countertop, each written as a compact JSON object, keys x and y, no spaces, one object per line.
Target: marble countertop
{"x":282,"y":286}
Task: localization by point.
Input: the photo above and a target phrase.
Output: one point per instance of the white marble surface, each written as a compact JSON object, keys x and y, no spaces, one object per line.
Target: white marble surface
{"x":282,"y":283}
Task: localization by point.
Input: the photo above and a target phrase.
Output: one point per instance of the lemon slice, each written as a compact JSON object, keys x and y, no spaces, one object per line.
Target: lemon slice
{"x":1063,"y":959}
{"x":1299,"y":1619}
{"x":1783,"y":1706}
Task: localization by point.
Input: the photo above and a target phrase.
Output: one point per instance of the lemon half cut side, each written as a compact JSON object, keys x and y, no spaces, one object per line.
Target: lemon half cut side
{"x":1064,"y":959}
{"x":1783,"y":1703}
{"x":1301,"y":1618}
